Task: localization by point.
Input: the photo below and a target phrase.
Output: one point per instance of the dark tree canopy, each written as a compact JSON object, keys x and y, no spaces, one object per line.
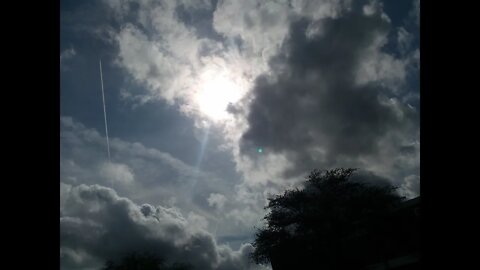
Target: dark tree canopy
{"x":144,"y":261}
{"x":332,"y":223}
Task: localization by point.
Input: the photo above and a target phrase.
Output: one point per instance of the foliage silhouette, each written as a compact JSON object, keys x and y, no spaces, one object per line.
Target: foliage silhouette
{"x":333,"y":223}
{"x":144,"y":261}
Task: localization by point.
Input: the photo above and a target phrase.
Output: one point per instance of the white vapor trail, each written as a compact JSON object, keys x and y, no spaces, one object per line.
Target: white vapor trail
{"x":104,"y":111}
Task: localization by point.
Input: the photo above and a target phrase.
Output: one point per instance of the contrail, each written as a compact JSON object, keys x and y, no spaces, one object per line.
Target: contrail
{"x":104,"y":111}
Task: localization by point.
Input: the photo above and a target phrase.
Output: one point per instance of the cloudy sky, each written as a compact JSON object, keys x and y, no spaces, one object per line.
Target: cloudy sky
{"x":213,"y":106}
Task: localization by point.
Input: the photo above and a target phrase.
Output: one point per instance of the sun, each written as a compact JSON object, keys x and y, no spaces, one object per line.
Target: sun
{"x":216,"y":92}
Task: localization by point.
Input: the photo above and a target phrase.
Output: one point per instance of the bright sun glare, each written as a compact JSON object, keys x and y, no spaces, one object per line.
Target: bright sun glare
{"x":215,"y":94}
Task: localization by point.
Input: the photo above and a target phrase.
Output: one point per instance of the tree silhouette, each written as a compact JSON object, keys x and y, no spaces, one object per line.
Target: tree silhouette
{"x":144,"y":261}
{"x":333,"y":223}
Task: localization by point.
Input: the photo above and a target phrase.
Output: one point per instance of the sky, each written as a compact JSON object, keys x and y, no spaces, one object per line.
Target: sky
{"x":213,"y":107}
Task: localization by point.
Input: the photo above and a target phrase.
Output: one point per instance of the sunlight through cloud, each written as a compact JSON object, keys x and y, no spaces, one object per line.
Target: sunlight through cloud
{"x":217,"y":90}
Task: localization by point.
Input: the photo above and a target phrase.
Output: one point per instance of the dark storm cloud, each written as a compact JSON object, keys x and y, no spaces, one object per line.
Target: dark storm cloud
{"x":314,"y":109}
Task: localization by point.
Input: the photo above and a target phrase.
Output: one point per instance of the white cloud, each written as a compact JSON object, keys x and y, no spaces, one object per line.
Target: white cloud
{"x":404,"y":40}
{"x":261,"y":25}
{"x":380,"y":67}
{"x":411,"y":186}
{"x":317,"y":10}
{"x":67,"y":54}
{"x":371,"y":8}
{"x":117,"y":172}
{"x":145,"y":61}
{"x":217,"y":200}
{"x":171,"y":62}
{"x":198,"y":223}
{"x":99,"y":225}
{"x":246,"y":216}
